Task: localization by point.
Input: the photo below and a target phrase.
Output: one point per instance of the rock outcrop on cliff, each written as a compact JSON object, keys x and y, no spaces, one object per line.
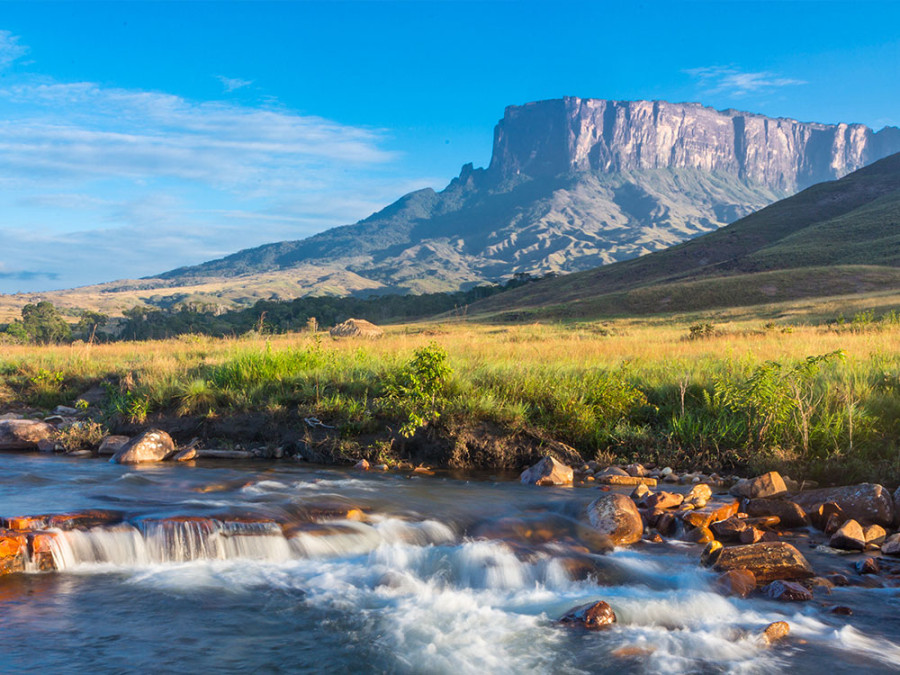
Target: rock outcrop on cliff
{"x":573,"y":183}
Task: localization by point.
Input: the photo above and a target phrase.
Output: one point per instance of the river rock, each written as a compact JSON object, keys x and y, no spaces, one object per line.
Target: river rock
{"x":850,"y":537}
{"x":548,"y":471}
{"x":787,"y":591}
{"x":789,"y":513}
{"x":12,"y":552}
{"x":891,"y":545}
{"x":750,"y":535}
{"x":617,"y":517}
{"x":110,"y":445}
{"x":776,"y":631}
{"x":153,"y":445}
{"x":611,"y":471}
{"x":593,"y":616}
{"x":711,"y":513}
{"x":767,"y":486}
{"x":875,"y":535}
{"x":896,"y":500}
{"x":701,"y":492}
{"x":868,"y":566}
{"x":865,"y":503}
{"x":362,"y":465}
{"x":767,"y":560}
{"x":636,"y":470}
{"x":24,"y":434}
{"x":740,"y":582}
{"x":664,"y":500}
{"x":729,"y":529}
{"x":187,"y":455}
{"x":640,"y":493}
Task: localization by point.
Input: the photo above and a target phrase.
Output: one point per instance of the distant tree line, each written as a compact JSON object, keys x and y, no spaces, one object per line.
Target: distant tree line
{"x":43,"y":324}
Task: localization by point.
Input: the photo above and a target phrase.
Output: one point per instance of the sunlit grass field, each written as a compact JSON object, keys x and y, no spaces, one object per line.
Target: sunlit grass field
{"x":741,"y":393}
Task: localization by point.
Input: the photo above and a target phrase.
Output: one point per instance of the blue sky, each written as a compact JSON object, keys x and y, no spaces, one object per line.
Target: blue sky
{"x":137,"y":137}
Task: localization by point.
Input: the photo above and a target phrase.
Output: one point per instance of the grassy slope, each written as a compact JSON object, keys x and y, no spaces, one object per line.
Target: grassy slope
{"x":852,"y":221}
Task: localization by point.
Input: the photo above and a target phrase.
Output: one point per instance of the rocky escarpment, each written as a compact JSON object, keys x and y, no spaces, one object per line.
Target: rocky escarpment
{"x":573,"y":184}
{"x":548,"y":138}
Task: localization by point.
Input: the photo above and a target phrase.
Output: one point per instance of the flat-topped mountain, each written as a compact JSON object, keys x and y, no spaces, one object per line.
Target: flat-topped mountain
{"x":574,"y":183}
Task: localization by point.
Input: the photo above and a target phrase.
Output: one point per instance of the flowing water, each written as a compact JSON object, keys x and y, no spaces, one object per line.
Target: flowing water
{"x":269,"y":570}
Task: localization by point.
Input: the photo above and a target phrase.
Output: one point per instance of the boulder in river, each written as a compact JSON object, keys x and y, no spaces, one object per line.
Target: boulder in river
{"x":111,"y":444}
{"x":593,"y":616}
{"x":769,"y":561}
{"x":153,"y":445}
{"x":866,"y":503}
{"x":767,"y":486}
{"x":12,"y":552}
{"x":24,"y":434}
{"x":787,"y":591}
{"x":664,"y":500}
{"x":891,"y":545}
{"x":617,"y":517}
{"x":548,"y":471}
{"x":789,"y":513}
{"x":849,"y":537}
{"x":776,"y":631}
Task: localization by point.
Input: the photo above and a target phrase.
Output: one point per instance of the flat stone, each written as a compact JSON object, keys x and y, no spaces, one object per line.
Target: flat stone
{"x":711,"y":513}
{"x":788,"y":512}
{"x":664,"y":500}
{"x":769,"y":561}
{"x":627,"y":480}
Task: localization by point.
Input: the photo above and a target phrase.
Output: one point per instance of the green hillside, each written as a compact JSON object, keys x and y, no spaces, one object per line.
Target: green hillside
{"x":833,"y":238}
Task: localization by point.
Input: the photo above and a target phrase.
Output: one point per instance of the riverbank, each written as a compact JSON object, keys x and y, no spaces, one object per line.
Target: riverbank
{"x":819,"y":402}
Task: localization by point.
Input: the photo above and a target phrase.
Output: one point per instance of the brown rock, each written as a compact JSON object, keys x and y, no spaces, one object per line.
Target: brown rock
{"x":787,"y":591}
{"x":712,"y":513}
{"x":842,"y":610}
{"x":823,"y":513}
{"x":700,"y":492}
{"x":751,"y":535}
{"x":41,"y":545}
{"x":617,"y":517}
{"x":767,"y":560}
{"x":874,"y":534}
{"x":12,"y":552}
{"x":640,"y":493}
{"x":593,"y":616}
{"x":865,"y":503}
{"x":850,"y":537}
{"x":664,"y":500}
{"x":24,"y":434}
{"x":627,"y":480}
{"x":548,"y":471}
{"x":768,"y":486}
{"x":636,"y":470}
{"x":776,"y":631}
{"x":789,"y":513}
{"x":738,"y":582}
{"x":110,"y":445}
{"x":833,"y":524}
{"x":153,"y":445}
{"x":711,"y":553}
{"x":665,"y":524}
{"x":868,"y":566}
{"x":362,"y":465}
{"x":729,"y":529}
{"x":83,"y":520}
{"x":700,"y":535}
{"x":187,"y":455}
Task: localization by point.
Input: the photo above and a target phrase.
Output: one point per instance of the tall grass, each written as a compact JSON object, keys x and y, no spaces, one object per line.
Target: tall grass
{"x":746,"y":395}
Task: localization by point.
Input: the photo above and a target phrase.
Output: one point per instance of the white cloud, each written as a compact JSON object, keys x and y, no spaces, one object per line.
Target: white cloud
{"x":10,"y":49}
{"x":735,"y":82}
{"x":230,"y":84}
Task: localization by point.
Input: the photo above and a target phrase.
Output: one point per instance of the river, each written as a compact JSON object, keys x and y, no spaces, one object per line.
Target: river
{"x":443,"y":574}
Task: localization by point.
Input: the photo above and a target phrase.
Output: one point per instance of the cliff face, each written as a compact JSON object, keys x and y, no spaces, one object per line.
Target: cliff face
{"x":548,"y":138}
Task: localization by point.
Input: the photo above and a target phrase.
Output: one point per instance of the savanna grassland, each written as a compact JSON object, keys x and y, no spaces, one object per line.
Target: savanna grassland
{"x":817,"y":400}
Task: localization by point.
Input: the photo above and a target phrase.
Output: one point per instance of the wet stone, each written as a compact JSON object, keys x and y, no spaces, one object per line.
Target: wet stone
{"x":868,"y":566}
{"x":739,"y":582}
{"x":776,"y":631}
{"x":548,"y":471}
{"x":594,"y":616}
{"x":769,"y":561}
{"x":787,"y":591}
{"x":849,"y":536}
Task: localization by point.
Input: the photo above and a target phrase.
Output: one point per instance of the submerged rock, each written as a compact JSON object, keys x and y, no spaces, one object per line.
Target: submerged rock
{"x":617,"y":517}
{"x":769,"y":561}
{"x":548,"y":471}
{"x":595,"y":616}
{"x":776,"y":631}
{"x":17,"y":434}
{"x":787,"y":591}
{"x":153,"y":445}
{"x":12,"y":552}
{"x":740,"y":582}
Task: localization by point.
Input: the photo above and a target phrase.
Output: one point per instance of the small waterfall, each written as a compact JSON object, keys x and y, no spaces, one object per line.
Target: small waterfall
{"x":186,"y":539}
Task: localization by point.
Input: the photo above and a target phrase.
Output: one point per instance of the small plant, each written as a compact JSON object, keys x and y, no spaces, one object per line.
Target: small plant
{"x":81,"y":436}
{"x":417,"y":389}
{"x":702,"y":330}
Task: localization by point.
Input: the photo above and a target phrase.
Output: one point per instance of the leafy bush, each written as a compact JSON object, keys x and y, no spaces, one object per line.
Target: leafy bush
{"x":417,"y":390}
